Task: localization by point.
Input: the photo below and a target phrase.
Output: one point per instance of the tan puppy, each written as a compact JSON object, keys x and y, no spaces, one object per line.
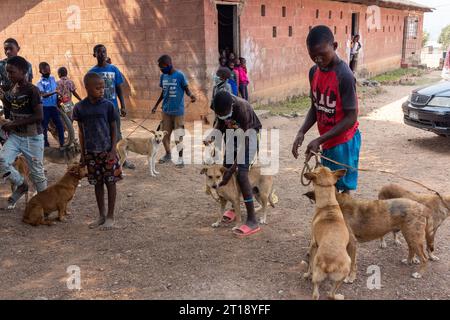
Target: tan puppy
{"x":369,"y":220}
{"x":439,"y":210}
{"x":330,"y":236}
{"x":144,"y":146}
{"x":54,"y":198}
{"x":262,"y":188}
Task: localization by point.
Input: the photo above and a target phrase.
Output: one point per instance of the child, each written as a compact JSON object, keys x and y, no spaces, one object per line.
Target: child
{"x":173,"y":84}
{"x":97,"y":121}
{"x":234,"y":79}
{"x":355,"y":46}
{"x":243,"y":78}
{"x":334,"y":108}
{"x":113,"y":88}
{"x":47,"y":87}
{"x":66,"y":88}
{"x":223,"y":62}
{"x":24,"y":108}
{"x":12,"y":48}
{"x":233,"y":114}
{"x":221,"y":83}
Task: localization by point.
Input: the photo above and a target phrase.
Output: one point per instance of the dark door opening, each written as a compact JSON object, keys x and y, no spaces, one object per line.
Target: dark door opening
{"x":355,"y":23}
{"x":228,"y":28}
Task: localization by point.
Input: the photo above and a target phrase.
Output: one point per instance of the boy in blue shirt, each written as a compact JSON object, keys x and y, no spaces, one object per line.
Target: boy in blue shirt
{"x":47,"y":87}
{"x":113,"y":87}
{"x":174,"y":84}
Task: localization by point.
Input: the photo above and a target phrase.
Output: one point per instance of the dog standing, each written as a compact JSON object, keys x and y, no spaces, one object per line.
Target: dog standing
{"x":144,"y":146}
{"x":54,"y":198}
{"x":369,"y":220}
{"x":262,"y":189}
{"x":330,"y":236}
{"x":439,"y":210}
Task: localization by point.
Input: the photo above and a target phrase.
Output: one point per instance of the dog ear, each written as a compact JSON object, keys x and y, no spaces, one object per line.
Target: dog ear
{"x":223,"y":169}
{"x":203,"y":170}
{"x":153,"y":131}
{"x":310,"y":175}
{"x":165,"y":132}
{"x":340,"y":173}
{"x":310,"y":195}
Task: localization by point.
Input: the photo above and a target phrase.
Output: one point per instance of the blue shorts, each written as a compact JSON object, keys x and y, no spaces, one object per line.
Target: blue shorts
{"x":346,"y":153}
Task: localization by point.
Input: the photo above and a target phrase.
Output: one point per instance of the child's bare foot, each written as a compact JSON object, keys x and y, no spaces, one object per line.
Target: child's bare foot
{"x":99,"y":222}
{"x":108,"y":225}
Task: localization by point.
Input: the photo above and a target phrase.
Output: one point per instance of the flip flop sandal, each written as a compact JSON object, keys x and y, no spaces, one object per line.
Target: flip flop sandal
{"x":245,"y":230}
{"x":229,"y":216}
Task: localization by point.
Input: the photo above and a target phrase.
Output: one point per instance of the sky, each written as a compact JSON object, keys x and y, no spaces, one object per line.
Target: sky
{"x":436,"y":20}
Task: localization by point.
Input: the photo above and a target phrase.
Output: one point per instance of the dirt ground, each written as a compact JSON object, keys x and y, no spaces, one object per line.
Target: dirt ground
{"x":164,"y":248}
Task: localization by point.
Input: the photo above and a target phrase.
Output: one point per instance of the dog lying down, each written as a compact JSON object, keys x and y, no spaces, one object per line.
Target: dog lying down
{"x":144,"y":146}
{"x":54,"y":198}
{"x":262,"y":188}
{"x":372,"y":219}
{"x":439,"y":210}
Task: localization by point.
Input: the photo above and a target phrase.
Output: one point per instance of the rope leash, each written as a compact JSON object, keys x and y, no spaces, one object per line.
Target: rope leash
{"x":318,"y":155}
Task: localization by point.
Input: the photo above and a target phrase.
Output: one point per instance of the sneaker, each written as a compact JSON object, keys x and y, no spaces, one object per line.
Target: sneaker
{"x":129,"y":165}
{"x":180,"y":163}
{"x":166,"y":158}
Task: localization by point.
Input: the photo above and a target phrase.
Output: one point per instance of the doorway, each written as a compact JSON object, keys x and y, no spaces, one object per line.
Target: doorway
{"x":410,"y":43}
{"x":228,"y":28}
{"x":355,"y":23}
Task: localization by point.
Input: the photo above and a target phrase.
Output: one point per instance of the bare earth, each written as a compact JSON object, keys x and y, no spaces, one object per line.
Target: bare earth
{"x":164,"y":248}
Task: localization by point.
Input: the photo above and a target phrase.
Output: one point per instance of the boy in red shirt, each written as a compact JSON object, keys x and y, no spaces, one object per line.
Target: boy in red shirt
{"x":334,"y":106}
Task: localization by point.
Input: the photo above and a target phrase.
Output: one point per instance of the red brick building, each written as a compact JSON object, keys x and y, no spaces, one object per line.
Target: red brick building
{"x":270,"y":34}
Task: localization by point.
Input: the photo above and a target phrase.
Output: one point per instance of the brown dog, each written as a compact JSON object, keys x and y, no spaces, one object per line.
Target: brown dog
{"x":262,"y":187}
{"x":439,"y":210}
{"x":330,"y":237}
{"x":54,"y":198}
{"x":369,"y":220}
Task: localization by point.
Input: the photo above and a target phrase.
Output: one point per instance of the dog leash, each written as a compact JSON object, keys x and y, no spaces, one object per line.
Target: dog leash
{"x":318,"y":155}
{"x":138,"y":125}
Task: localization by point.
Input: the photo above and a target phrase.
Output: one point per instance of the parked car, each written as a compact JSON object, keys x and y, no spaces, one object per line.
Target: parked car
{"x":429,"y":108}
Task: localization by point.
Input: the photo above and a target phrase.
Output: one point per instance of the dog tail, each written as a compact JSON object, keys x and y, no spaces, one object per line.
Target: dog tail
{"x":121,"y":150}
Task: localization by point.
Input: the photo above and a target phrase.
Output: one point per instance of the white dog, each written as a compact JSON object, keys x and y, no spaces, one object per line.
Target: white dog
{"x":145,"y":146}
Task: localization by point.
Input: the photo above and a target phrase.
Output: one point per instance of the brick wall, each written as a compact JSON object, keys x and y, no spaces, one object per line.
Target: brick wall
{"x":135,"y":32}
{"x":278,"y":66}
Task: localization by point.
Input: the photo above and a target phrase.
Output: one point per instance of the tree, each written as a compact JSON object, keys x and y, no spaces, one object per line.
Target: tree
{"x":425,"y":38}
{"x":444,"y":38}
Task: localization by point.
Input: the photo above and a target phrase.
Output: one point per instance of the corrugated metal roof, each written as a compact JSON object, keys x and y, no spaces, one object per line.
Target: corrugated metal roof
{"x":399,"y":4}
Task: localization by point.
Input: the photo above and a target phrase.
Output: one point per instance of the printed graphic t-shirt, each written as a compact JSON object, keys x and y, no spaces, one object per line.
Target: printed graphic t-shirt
{"x":20,"y":103}
{"x":48,"y":85}
{"x":173,"y":86}
{"x":65,"y":87}
{"x":332,"y":93}
{"x":113,"y":78}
